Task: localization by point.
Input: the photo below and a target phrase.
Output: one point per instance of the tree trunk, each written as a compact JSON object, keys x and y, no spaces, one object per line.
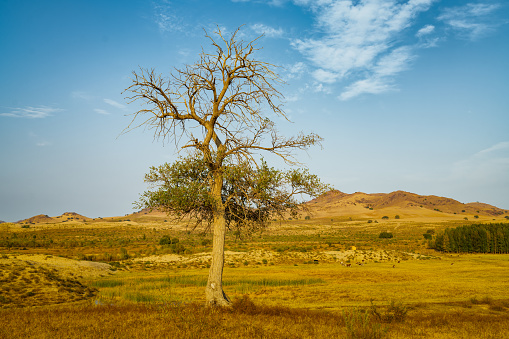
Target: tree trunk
{"x":214,"y":290}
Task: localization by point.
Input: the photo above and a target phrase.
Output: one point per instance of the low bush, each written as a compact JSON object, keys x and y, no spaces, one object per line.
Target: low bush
{"x":385,"y":235}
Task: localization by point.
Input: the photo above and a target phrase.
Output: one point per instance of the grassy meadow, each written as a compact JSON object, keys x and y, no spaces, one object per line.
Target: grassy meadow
{"x":316,"y":278}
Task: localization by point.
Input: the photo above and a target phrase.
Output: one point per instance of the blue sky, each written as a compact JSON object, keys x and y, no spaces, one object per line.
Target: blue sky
{"x":409,"y":95}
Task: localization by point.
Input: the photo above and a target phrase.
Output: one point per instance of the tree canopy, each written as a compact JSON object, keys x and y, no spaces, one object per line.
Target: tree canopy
{"x":252,"y":196}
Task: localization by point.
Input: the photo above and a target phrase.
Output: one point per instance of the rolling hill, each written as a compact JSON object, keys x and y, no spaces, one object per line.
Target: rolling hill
{"x":44,"y":219}
{"x":338,"y":204}
{"x":400,"y":202}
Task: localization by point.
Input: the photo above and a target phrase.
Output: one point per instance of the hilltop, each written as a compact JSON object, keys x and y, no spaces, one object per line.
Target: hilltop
{"x":45,"y":219}
{"x":400,"y":202}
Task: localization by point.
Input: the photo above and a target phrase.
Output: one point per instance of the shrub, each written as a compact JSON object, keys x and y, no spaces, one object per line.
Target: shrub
{"x":206,"y":242}
{"x":123,"y":254}
{"x":385,"y":235}
{"x":427,"y":236}
{"x":397,"y":216}
{"x":307,"y":217}
{"x":167,"y":240}
{"x":395,"y":312}
{"x":385,"y":217}
{"x":359,"y":325}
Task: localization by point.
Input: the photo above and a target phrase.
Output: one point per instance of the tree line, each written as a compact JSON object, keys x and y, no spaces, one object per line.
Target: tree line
{"x":475,"y":238}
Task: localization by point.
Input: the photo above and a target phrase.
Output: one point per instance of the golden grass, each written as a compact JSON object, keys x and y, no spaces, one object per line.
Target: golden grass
{"x":243,"y":320}
{"x":447,"y":296}
{"x":24,"y":283}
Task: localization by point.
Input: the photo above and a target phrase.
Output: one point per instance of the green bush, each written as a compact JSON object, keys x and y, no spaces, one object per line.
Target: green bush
{"x":167,"y":240}
{"x":385,"y":235}
{"x":360,"y":325}
{"x":385,"y":217}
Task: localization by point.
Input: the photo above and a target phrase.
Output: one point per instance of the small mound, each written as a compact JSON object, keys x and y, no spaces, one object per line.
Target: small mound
{"x":41,"y":218}
{"x":24,"y":283}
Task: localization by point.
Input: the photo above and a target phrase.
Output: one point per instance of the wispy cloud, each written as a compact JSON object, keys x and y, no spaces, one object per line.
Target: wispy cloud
{"x":101,"y":111}
{"x":426,"y":30}
{"x":294,"y":71}
{"x":268,"y":31}
{"x":114,"y":103}
{"x":358,"y":41}
{"x":471,"y":21}
{"x":43,"y":143}
{"x":166,"y":19}
{"x":488,"y":165}
{"x":30,"y":112}
{"x":81,"y":95}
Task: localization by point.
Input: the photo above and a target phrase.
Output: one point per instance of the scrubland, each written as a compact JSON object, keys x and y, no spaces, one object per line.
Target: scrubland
{"x":316,"y":278}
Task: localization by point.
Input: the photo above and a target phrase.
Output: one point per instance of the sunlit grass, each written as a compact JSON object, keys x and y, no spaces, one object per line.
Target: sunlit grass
{"x":447,"y":296}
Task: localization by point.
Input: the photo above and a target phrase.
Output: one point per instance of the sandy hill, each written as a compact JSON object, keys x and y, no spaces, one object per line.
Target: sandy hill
{"x":41,"y":218}
{"x":73,"y":216}
{"x":411,"y":204}
{"x":44,"y":219}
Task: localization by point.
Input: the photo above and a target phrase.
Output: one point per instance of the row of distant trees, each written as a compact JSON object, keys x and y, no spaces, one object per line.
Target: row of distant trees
{"x":475,"y":238}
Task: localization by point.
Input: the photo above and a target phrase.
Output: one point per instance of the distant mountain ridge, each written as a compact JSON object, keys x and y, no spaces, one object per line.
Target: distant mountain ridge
{"x":364,"y":205}
{"x":336,"y":200}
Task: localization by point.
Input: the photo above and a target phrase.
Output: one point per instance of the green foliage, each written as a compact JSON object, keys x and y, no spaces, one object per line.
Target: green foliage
{"x":123,"y":254}
{"x":167,"y":240}
{"x":397,"y":216}
{"x":385,"y":235}
{"x":173,"y":244}
{"x":475,"y":238}
{"x":385,"y":217}
{"x":360,"y":325}
{"x":251,"y":196}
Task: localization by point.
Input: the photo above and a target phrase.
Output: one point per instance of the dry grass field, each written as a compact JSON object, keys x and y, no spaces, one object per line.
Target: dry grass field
{"x":319,"y":277}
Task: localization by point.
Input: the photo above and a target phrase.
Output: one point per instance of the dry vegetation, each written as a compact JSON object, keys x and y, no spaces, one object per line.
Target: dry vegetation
{"x":112,"y":278}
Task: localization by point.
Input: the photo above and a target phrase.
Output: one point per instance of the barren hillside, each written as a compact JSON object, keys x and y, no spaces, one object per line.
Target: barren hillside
{"x":403,"y":203}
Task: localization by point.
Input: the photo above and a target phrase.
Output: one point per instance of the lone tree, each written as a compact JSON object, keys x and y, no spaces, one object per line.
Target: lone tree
{"x":215,"y":108}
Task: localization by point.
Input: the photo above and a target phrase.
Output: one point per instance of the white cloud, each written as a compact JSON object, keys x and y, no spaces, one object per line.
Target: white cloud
{"x":167,"y":20}
{"x":43,"y":143}
{"x":471,"y":20}
{"x":101,"y":111}
{"x":325,"y":76}
{"x":497,"y":147}
{"x":81,"y":95}
{"x":114,"y":103}
{"x":268,"y":31}
{"x":426,"y":30}
{"x":294,"y":71}
{"x":394,"y":62}
{"x":359,"y":40}
{"x":31,"y":112}
{"x":372,"y":86}
{"x":489,"y":166}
